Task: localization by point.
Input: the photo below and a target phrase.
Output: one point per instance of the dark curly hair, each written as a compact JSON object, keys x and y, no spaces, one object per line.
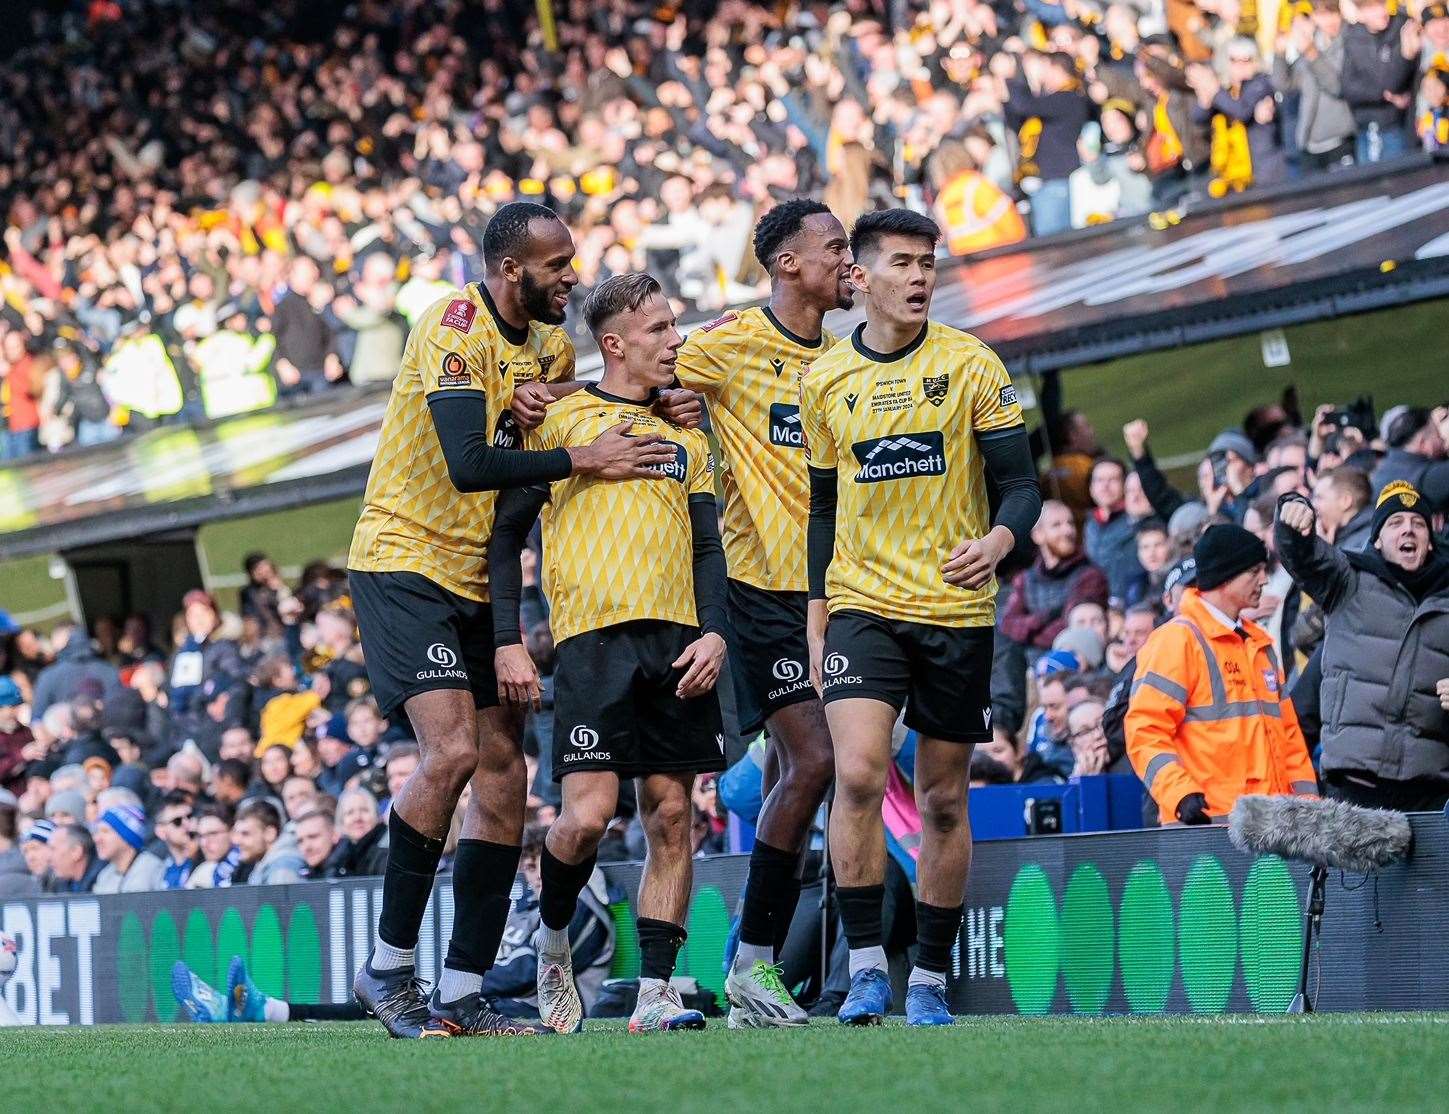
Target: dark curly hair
{"x":507,"y":231}
{"x":870,"y":229}
{"x":777,"y":226}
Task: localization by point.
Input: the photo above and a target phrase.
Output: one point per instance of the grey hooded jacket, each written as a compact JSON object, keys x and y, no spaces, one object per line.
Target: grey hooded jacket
{"x":1383,"y":654}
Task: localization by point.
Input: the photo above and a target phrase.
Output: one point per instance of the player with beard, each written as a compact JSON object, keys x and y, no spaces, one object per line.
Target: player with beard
{"x":902,"y":423}
{"x":477,"y":365}
{"x":748,"y":366}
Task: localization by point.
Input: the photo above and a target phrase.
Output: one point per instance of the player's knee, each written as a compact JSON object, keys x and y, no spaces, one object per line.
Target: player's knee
{"x":813,"y":770}
{"x":449,"y":760}
{"x":668,"y":820}
{"x":942,"y":807}
{"x":859,"y":786}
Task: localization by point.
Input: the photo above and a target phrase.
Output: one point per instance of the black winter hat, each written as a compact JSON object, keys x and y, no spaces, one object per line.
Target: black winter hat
{"x":1223,"y":552}
{"x":1400,"y":496}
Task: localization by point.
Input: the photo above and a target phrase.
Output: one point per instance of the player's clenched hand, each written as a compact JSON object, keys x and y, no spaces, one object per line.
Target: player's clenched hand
{"x":517,"y":677}
{"x":614,"y":455}
{"x":530,"y":403}
{"x":701,"y":661}
{"x":973,"y":561}
{"x":680,"y":407}
{"x":817,"y":618}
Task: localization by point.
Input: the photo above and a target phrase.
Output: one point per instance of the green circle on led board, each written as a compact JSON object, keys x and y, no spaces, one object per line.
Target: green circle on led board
{"x":1088,"y":936}
{"x":133,"y":985}
{"x":1145,"y":939}
{"x":1270,"y":934}
{"x":231,"y":940}
{"x":1207,"y":935}
{"x":304,"y":957}
{"x":267,"y":954}
{"x":709,"y":930}
{"x":165,"y":951}
{"x":626,"y":942}
{"x":198,"y":950}
{"x":1031,"y":939}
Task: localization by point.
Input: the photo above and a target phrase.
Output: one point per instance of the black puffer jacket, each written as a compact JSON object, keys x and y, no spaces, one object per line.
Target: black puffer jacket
{"x":1383,"y":654}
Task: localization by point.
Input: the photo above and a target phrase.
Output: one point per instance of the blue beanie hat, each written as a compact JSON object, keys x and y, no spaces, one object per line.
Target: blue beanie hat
{"x":1056,"y":661}
{"x":128,"y":822}
{"x":40,"y":832}
{"x":10,"y":694}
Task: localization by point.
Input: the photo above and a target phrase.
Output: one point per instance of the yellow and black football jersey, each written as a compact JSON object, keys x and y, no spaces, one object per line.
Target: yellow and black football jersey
{"x":413,"y":518}
{"x":911,"y":484}
{"x":748,"y":367}
{"x":615,"y":551}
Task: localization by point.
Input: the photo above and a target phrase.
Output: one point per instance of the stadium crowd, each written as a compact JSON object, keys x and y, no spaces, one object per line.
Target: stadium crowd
{"x":244,"y":747}
{"x":212,"y":207}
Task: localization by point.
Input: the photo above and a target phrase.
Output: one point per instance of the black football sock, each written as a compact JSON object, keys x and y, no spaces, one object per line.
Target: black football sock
{"x":483,"y":877}
{"x":412,"y":868}
{"x":560,"y":884}
{"x":936,"y":931}
{"x":659,"y":944}
{"x":770,"y":895}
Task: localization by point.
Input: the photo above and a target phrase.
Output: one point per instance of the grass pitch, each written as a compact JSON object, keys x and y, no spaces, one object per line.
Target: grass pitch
{"x":1346,"y":1062}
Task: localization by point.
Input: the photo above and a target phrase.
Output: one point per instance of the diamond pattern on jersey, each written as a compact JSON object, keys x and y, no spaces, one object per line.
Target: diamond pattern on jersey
{"x":750,"y":373}
{"x":413,"y":518}
{"x":615,"y":551}
{"x":910,"y":483}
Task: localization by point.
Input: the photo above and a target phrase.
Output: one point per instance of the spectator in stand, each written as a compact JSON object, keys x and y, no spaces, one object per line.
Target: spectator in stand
{"x":1385,"y":730}
{"x":1047,"y":107}
{"x":1416,"y":454}
{"x":362,"y":850}
{"x":307,"y":362}
{"x":1234,"y":462}
{"x":203,"y":655}
{"x":1208,"y":720}
{"x":264,"y":858}
{"x":75,"y":661}
{"x":341,"y":759}
{"x":176,"y":829}
{"x":1110,"y":539}
{"x":317,"y":838}
{"x":1060,"y":578}
{"x":120,"y":841}
{"x":1343,"y":503}
{"x":1048,"y":737}
{"x":20,"y":391}
{"x":16,"y":740}
{"x":1090,"y":748}
{"x":274,"y":770}
{"x":15,"y":877}
{"x":35,"y":846}
{"x":1163,"y":498}
{"x":219,"y":858}
{"x":265,"y":590}
{"x":1309,"y":63}
{"x":1379,"y":56}
{"x":74,"y":867}
{"x":1238,"y":112}
{"x":230,"y":780}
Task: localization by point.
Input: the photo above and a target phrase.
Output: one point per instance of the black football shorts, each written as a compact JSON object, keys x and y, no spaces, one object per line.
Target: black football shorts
{"x":769,"y":660}
{"x":418,"y":636}
{"x":940,"y":675}
{"x":615,"y":709}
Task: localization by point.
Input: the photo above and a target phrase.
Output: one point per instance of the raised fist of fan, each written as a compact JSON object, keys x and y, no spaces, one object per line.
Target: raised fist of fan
{"x":1297,"y":514}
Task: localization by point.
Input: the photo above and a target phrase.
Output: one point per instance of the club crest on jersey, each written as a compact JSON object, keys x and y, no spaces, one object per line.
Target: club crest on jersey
{"x":459,"y":315}
{"x":778,"y":365}
{"x":544,"y":363}
{"x":935,"y":387}
{"x":505,"y":436}
{"x":455,"y":371}
{"x":678,"y":468}
{"x":785,"y":426}
{"x":900,"y":456}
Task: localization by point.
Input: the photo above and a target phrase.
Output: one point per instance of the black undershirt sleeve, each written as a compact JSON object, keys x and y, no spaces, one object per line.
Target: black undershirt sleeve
{"x":710,"y":569}
{"x":820,"y":530}
{"x":513,"y":518}
{"x":474,"y":463}
{"x":1007,"y":453}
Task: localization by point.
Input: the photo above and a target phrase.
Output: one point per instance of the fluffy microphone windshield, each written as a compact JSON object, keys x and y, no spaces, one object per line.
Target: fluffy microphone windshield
{"x":1325,"y":833}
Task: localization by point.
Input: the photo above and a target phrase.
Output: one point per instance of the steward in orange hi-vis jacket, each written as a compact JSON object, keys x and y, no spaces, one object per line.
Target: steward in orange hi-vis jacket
{"x":1208,"y":720}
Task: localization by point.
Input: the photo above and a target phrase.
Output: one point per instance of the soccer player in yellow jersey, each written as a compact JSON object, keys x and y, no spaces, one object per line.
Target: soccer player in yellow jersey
{"x":636,"y":577}
{"x":748,"y":366}
{"x":903,"y":422}
{"x":418,"y":580}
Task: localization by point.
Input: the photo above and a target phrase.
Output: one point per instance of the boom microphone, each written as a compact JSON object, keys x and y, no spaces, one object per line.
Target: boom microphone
{"x":1328,"y":834}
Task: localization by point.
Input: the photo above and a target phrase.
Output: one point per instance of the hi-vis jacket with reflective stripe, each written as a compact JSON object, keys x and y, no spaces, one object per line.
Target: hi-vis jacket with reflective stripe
{"x":1208,"y":715}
